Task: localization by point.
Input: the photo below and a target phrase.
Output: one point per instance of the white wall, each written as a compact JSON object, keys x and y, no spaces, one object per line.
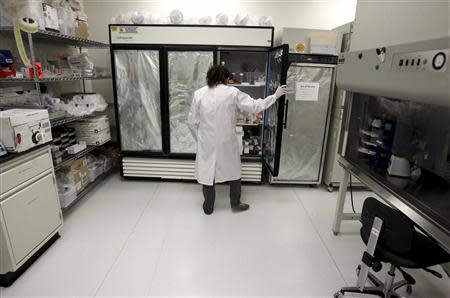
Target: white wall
{"x":316,"y":14}
{"x":387,"y":22}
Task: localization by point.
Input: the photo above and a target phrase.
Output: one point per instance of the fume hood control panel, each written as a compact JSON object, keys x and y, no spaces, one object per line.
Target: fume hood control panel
{"x":429,"y":61}
{"x":418,"y":72}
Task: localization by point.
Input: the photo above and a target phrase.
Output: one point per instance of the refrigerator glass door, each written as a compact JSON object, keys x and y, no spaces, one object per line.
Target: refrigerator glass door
{"x":187,"y":73}
{"x":274,"y":116}
{"x":304,"y":137}
{"x":137,"y":77}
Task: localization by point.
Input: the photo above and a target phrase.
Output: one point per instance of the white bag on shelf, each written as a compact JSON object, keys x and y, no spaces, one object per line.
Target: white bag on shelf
{"x":221,"y":19}
{"x":83,"y":104}
{"x":176,"y":17}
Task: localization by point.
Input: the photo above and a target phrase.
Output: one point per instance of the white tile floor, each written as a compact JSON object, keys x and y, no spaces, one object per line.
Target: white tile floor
{"x":142,"y":238}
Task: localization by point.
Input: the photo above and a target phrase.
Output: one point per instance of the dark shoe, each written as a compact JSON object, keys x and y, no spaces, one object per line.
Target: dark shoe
{"x":207,"y":211}
{"x":240,"y":207}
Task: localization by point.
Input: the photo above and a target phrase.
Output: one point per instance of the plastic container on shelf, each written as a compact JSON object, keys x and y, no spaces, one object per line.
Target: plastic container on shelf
{"x":66,"y":18}
{"x":95,"y":170}
{"x":67,"y":194}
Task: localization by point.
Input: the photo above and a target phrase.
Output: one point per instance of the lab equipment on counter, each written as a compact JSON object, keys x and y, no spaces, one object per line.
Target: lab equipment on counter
{"x":30,"y":210}
{"x":6,"y":64}
{"x":22,"y":129}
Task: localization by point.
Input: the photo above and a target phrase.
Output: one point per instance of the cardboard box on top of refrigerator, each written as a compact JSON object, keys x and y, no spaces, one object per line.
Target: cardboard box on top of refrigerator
{"x":310,"y":41}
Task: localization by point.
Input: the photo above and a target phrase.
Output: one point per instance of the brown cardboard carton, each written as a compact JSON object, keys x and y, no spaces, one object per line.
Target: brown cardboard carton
{"x":81,"y":29}
{"x":78,"y":173}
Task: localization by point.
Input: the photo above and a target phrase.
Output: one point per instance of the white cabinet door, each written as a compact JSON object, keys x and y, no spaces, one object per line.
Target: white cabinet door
{"x":31,"y":215}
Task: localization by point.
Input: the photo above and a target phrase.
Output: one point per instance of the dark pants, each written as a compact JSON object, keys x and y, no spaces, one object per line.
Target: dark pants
{"x":209,"y":192}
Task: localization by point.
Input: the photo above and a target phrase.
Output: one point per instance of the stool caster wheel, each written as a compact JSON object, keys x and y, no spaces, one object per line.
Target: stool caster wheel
{"x":330,"y":188}
{"x":409,"y":289}
{"x":338,"y":295}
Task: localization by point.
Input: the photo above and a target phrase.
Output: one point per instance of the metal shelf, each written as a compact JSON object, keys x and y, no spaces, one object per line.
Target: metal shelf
{"x":247,"y":85}
{"x":88,"y":188}
{"x":54,"y":79}
{"x":71,"y":157}
{"x":61,"y":38}
{"x":64,"y":120}
{"x":249,"y":124}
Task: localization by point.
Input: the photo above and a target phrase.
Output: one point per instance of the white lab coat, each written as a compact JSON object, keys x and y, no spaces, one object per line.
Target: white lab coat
{"x":212,"y":120}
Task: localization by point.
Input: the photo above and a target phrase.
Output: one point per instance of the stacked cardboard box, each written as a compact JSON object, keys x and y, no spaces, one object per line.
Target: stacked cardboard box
{"x":93,"y":131}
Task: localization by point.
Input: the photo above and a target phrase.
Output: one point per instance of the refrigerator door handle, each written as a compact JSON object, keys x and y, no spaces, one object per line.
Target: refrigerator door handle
{"x":286,"y":107}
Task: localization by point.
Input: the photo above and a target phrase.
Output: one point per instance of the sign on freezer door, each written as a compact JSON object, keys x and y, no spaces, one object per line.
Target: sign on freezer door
{"x":307,"y":91}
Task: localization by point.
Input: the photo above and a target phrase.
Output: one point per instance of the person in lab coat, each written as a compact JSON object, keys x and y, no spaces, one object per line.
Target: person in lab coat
{"x":212,"y":120}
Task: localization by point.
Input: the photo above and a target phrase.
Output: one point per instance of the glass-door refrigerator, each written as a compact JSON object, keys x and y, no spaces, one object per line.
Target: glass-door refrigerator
{"x":155,"y":76}
{"x":310,"y":81}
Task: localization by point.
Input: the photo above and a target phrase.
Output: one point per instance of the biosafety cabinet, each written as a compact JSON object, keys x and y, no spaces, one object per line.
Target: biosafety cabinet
{"x":157,"y":68}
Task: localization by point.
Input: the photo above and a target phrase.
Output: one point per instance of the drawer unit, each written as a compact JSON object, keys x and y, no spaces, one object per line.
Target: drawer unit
{"x":19,"y":171}
{"x":30,"y":215}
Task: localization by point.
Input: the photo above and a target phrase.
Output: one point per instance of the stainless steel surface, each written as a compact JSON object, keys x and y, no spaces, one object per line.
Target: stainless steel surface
{"x":306,"y":134}
{"x":397,"y":75}
{"x":186,"y":73}
{"x":427,"y":224}
{"x":138,"y":99}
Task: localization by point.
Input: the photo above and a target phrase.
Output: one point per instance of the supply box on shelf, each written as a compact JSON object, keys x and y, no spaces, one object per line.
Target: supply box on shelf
{"x":93,"y":131}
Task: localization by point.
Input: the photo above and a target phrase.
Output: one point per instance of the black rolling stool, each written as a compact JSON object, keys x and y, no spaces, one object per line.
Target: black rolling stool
{"x":390,"y":237}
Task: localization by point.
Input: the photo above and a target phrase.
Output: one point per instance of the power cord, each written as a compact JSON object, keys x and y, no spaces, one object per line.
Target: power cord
{"x":351,"y":194}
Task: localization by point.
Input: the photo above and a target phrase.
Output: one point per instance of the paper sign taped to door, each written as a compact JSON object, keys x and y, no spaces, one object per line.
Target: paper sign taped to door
{"x":307,"y":91}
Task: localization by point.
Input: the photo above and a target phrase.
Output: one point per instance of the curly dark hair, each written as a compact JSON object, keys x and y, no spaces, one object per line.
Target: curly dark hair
{"x":217,"y":74}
